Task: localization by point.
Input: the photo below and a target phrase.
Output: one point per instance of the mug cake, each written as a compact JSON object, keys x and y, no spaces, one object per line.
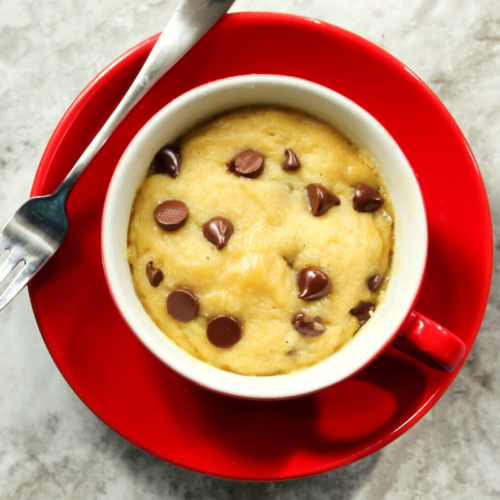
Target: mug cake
{"x":261,"y":240}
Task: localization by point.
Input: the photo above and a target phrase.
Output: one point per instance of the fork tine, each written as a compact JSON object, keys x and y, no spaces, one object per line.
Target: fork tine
{"x":16,"y":286}
{"x":8,"y":265}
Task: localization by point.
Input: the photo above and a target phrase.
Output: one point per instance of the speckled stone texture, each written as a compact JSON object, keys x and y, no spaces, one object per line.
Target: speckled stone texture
{"x":51,"y":446}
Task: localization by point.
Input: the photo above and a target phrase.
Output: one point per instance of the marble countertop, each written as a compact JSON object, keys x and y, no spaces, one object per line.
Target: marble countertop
{"x":51,"y":445}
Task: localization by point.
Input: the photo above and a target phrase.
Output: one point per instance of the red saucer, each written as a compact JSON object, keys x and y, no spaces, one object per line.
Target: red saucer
{"x":163,"y":414}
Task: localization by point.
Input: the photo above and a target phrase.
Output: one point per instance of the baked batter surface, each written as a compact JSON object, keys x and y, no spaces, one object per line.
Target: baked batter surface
{"x":254,"y":278}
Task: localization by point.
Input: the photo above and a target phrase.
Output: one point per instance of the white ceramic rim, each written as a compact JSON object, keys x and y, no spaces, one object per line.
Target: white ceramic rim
{"x":361,"y":128}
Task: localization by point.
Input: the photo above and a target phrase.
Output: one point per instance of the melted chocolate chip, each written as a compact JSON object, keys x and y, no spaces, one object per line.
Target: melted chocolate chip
{"x":171,"y":215}
{"x":182,"y":304}
{"x":155,"y":275}
{"x":363,"y":311}
{"x":223,"y":331}
{"x":320,"y":199}
{"x":375,"y":282}
{"x":366,"y":199}
{"x":310,"y":328}
{"x":168,"y":161}
{"x":218,"y":230}
{"x":291,"y":161}
{"x":313,"y":283}
{"x":248,"y":163}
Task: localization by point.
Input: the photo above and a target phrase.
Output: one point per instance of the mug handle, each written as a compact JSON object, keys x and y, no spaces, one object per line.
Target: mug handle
{"x":420,"y":337}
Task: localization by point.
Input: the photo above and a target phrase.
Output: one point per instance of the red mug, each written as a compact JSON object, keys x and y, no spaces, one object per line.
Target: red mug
{"x":394,"y":319}
{"x":425,"y":339}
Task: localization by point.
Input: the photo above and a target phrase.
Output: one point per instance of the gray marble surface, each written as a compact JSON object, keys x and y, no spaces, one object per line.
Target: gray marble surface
{"x":51,"y":445}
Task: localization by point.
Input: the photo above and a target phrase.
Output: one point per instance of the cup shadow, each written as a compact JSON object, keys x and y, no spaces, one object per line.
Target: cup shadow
{"x":334,"y":426}
{"x":150,"y":474}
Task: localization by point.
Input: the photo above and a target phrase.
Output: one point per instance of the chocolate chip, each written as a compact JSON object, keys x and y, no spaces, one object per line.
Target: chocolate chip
{"x":248,"y":163}
{"x":168,"y":161}
{"x":223,"y":331}
{"x":218,"y":230}
{"x":291,"y":161}
{"x":375,"y":282}
{"x":320,"y":199}
{"x":366,"y":199}
{"x":363,"y":311}
{"x":182,"y":304}
{"x":171,"y":215}
{"x":310,"y":328}
{"x":154,"y":275}
{"x":313,"y":283}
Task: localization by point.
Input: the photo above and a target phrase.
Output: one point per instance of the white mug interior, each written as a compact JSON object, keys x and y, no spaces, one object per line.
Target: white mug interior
{"x":410,"y":250}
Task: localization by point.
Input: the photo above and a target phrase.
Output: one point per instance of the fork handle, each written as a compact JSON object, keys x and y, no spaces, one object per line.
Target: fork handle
{"x":189,"y":22}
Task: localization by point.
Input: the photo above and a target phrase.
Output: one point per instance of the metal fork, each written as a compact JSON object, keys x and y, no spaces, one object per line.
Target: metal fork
{"x":35,"y":232}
